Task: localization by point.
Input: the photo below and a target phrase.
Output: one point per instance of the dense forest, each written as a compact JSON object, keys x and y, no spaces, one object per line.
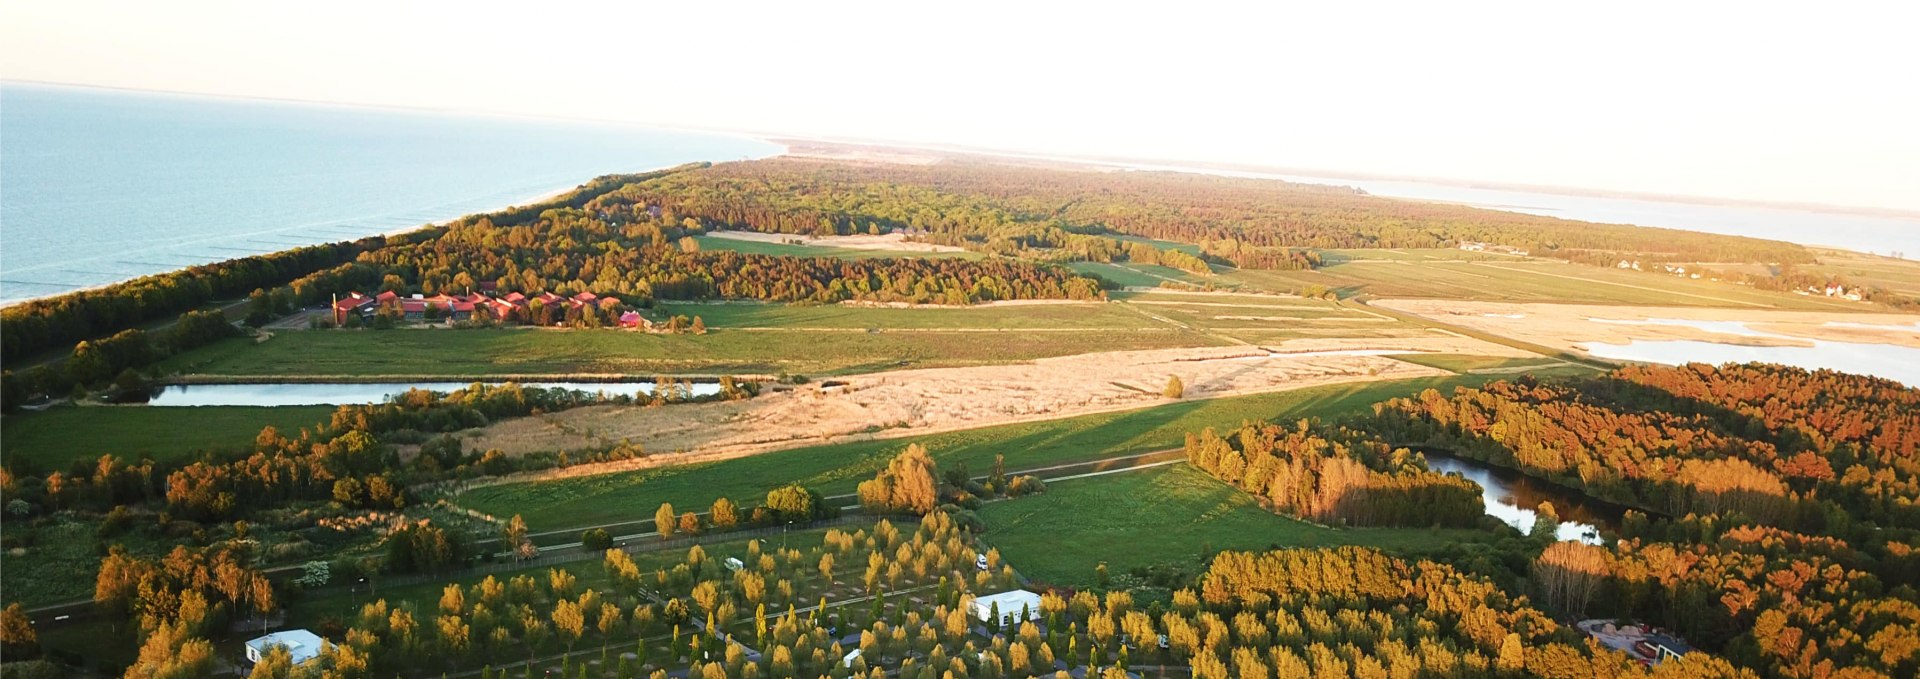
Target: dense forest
{"x":1244,"y":222}
{"x":1806,"y":450}
{"x":1334,"y":477}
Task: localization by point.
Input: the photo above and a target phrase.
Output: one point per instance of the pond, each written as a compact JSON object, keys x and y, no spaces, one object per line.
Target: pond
{"x":1513,"y":498}
{"x":1898,"y":363}
{"x":340,"y":393}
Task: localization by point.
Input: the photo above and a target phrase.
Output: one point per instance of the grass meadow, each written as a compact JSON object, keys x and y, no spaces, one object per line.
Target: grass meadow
{"x":1165,"y":516}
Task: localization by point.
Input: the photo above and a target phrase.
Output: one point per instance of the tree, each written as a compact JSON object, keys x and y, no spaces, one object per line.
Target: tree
{"x":596,"y":539}
{"x":1175,"y":389}
{"x":453,"y":599}
{"x":689,"y":524}
{"x":17,"y":636}
{"x":794,"y":502}
{"x":570,"y":621}
{"x":515,"y":536}
{"x":699,"y":326}
{"x":908,"y":484}
{"x":1546,"y":523}
{"x":723,"y":514}
{"x":663,"y":520}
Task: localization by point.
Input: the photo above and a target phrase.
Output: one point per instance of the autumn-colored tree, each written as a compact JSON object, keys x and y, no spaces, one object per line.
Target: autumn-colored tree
{"x":1175,"y":388}
{"x":724,"y":514}
{"x":908,"y":484}
{"x":663,"y":520}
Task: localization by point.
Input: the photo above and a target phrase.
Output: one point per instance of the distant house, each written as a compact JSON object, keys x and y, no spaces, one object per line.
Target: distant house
{"x":1011,"y":606}
{"x":354,"y":304}
{"x":633,"y":319}
{"x":302,"y":645}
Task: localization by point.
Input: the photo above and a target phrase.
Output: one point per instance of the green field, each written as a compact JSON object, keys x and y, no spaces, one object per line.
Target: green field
{"x":1133,"y":275}
{"x":530,"y":351}
{"x":835,"y":469}
{"x":1524,"y":281}
{"x":53,"y":439}
{"x":1462,"y":364}
{"x":839,"y":316}
{"x":1172,"y":515}
{"x":791,"y":250}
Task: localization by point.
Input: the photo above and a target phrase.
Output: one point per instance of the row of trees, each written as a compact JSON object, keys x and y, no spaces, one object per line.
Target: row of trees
{"x":1334,"y":476}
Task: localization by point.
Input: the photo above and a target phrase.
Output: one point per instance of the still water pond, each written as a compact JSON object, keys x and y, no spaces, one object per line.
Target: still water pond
{"x":1513,"y":498}
{"x":355,"y":394}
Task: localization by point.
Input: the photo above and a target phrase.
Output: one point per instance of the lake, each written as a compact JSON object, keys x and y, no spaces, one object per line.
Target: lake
{"x":1858,"y":232}
{"x":333,"y":394}
{"x":1898,"y":363}
{"x":106,"y":185}
{"x":1513,"y":498}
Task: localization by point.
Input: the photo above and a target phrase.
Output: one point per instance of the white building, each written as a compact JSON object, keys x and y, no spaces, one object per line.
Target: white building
{"x":300,"y":644}
{"x":1010,"y":606}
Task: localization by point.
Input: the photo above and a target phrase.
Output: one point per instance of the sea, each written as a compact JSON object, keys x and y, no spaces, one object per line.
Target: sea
{"x":1880,"y":234}
{"x":99,"y":186}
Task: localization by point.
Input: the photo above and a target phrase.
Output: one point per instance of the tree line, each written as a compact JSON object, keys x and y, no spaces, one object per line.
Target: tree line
{"x":1250,"y":223}
{"x":1813,"y":450}
{"x":1334,"y":476}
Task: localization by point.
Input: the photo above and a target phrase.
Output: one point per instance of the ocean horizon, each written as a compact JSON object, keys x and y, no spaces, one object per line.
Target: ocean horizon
{"x":102,"y":186}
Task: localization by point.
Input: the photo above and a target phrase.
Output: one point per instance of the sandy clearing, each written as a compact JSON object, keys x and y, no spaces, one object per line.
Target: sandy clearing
{"x":1567,"y":326}
{"x":896,"y":242}
{"x":913,"y":402}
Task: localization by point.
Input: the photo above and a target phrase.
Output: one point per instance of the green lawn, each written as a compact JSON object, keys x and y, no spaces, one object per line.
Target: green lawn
{"x":53,"y":439}
{"x":1172,"y":515}
{"x":838,"y":316}
{"x":1513,"y":280}
{"x":835,"y":469}
{"x":528,"y":351}
{"x":1460,"y":364}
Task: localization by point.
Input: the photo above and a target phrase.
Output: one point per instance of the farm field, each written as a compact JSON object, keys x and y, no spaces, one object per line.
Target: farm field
{"x":835,"y":469}
{"x":1059,"y":316}
{"x":1164,"y":516}
{"x":558,"y":353}
{"x":1465,"y":364}
{"x":1524,"y":281}
{"x":1133,"y":275}
{"x":54,"y":438}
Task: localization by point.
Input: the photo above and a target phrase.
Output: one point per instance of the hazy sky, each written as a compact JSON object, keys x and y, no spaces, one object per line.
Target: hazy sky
{"x":1811,"y":102}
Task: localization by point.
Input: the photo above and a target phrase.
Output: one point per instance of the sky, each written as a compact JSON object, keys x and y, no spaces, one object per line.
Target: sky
{"x":1804,"y":102}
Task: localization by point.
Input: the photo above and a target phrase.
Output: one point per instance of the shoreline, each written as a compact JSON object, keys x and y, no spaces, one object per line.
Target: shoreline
{"x":544,"y":196}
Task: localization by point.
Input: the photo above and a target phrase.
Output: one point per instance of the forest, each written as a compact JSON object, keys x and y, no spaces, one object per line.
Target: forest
{"x":1245,"y":223}
{"x":1339,"y":476}
{"x":1805,"y":450}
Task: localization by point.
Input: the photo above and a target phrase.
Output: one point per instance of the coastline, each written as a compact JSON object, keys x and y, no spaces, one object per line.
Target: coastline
{"x":785,"y":149}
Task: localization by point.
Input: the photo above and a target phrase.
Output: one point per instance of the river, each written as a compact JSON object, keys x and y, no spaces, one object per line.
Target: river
{"x":1513,"y":498}
{"x":340,"y":393}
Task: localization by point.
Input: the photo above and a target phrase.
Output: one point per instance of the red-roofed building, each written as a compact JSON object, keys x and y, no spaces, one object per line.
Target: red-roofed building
{"x":633,"y":319}
{"x":351,"y":305}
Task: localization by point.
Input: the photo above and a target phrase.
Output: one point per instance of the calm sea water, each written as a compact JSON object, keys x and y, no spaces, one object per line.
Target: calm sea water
{"x":98,"y":186}
{"x":1860,"y":233}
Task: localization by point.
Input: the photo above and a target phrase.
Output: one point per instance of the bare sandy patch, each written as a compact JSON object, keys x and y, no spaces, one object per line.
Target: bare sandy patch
{"x":912,"y":402}
{"x":1568,"y":326}
{"x":894,"y":242}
